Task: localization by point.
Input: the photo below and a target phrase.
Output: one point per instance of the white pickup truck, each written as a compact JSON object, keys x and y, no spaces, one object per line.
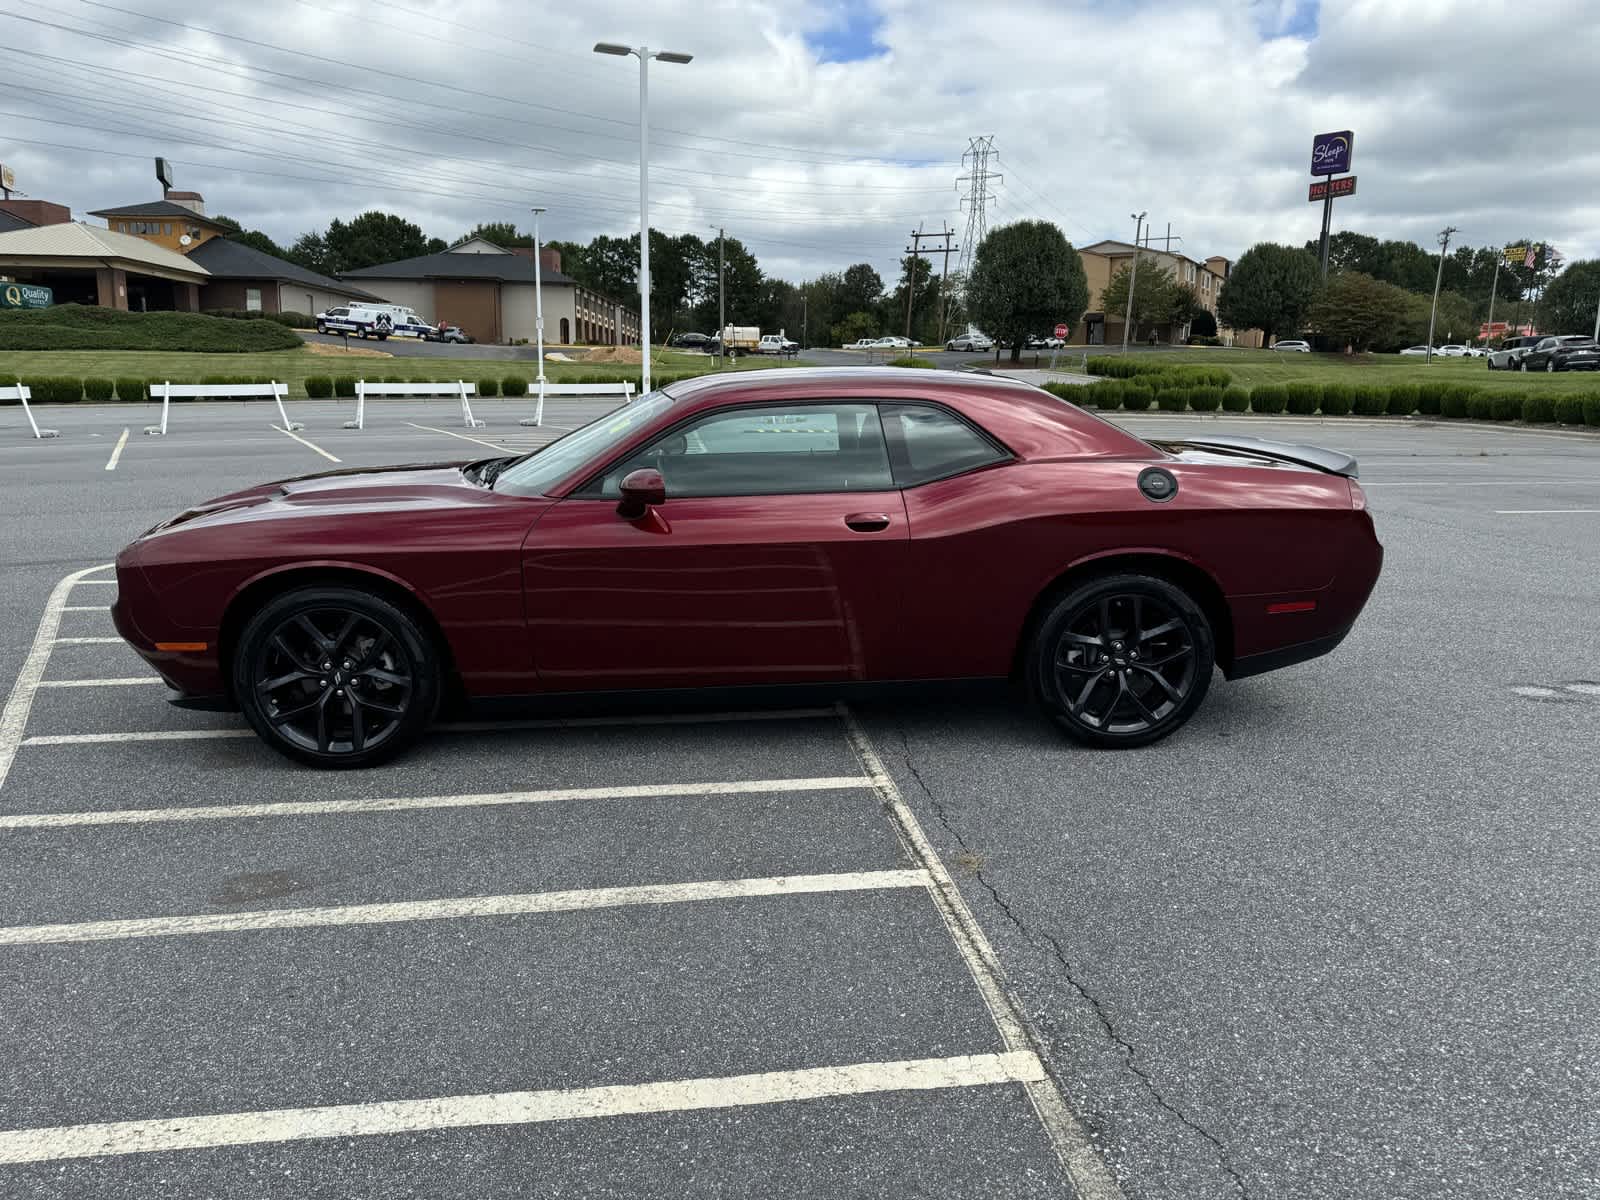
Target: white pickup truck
{"x":776,"y":343}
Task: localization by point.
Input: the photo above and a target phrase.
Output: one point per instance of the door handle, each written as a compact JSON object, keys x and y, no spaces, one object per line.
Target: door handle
{"x":867,"y":522}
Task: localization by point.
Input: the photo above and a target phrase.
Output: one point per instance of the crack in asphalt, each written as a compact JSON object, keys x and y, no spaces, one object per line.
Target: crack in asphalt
{"x":1123,"y":1044}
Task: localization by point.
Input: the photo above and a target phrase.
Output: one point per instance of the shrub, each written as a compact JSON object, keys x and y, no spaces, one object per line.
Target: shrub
{"x":318,"y":387}
{"x":1455,"y":400}
{"x":1507,"y":405}
{"x":132,"y":391}
{"x":1136,"y":398}
{"x":515,"y":385}
{"x":98,"y":391}
{"x":905,"y":360}
{"x":1402,"y":400}
{"x":1272,"y":398}
{"x":393,"y":379}
{"x":1430,"y":398}
{"x":1538,"y":408}
{"x":1236,"y":399}
{"x":344,"y":385}
{"x":1569,"y":410}
{"x":89,"y":327}
{"x":1591,"y":409}
{"x":55,"y":389}
{"x":1172,"y":399}
{"x":1303,"y":398}
{"x":1478,"y":405}
{"x":1205,"y":399}
{"x":489,"y":386}
{"x":1367,"y":400}
{"x":292,"y":320}
{"x":1337,"y":399}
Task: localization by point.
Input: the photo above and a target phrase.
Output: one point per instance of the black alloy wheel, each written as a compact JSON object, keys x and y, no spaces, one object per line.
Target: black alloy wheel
{"x":1123,"y":660}
{"x":336,"y":677}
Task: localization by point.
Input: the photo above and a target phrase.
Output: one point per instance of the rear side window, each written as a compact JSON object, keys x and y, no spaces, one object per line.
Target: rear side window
{"x":928,"y":443}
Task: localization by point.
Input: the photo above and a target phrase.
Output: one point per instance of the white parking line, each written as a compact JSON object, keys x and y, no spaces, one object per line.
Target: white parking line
{"x":126,"y":681}
{"x":87,"y":641}
{"x":303,"y":442}
{"x":317,"y":808}
{"x":457,"y":908}
{"x":462,"y":436}
{"x":1544,"y":512}
{"x":116,"y":452}
{"x":514,"y":1108}
{"x":88,"y":607}
{"x":101,"y":582}
{"x":1091,"y":1178}
{"x":200,"y":735}
{"x":14,"y":717}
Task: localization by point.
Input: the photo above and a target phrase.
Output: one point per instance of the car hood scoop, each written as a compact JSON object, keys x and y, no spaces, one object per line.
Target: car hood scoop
{"x":366,"y":485}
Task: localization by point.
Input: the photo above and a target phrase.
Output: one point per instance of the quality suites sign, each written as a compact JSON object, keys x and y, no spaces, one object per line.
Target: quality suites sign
{"x":1331,"y":153}
{"x":25,"y":295}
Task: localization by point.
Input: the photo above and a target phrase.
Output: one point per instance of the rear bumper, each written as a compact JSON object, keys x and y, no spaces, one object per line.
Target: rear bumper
{"x":1286,"y":656}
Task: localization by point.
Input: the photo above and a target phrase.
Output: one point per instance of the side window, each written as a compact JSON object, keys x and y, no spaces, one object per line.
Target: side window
{"x":930,"y":443}
{"x":768,"y":451}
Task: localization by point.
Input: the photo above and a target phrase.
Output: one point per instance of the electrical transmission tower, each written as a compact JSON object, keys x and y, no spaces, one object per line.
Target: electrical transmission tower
{"x":975,"y":163}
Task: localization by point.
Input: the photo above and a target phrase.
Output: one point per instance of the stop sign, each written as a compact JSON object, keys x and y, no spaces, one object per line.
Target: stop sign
{"x":1061,"y":331}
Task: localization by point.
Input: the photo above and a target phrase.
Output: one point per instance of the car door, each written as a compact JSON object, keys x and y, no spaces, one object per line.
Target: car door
{"x":777,"y":557}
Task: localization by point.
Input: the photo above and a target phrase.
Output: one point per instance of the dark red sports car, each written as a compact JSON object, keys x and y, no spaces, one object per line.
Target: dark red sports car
{"x":822,"y":527}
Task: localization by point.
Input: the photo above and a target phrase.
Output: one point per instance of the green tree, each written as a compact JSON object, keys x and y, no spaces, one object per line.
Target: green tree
{"x":573,"y":260}
{"x":310,"y":250}
{"x":611,"y":267}
{"x":253,"y":238}
{"x":373,"y":238}
{"x":672,"y":268}
{"x":1570,"y":300}
{"x":1158,"y":298}
{"x":1025,"y":278}
{"x":1270,"y":288}
{"x":861,"y":290}
{"x":501,"y":233}
{"x":854,"y":327}
{"x":742,"y":281}
{"x":1359,"y":310}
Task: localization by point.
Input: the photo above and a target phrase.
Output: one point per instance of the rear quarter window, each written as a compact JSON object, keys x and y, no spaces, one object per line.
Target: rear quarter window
{"x":928,"y":443}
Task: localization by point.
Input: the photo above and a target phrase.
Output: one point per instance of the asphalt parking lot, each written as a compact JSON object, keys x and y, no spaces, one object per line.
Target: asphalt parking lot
{"x":1337,"y":937}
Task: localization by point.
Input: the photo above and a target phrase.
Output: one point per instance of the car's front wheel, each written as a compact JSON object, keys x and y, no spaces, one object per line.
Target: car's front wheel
{"x":336,"y":676}
{"x":1122,"y":660}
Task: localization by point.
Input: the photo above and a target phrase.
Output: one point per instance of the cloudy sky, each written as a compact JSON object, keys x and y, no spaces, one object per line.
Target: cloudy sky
{"x":819,"y":131}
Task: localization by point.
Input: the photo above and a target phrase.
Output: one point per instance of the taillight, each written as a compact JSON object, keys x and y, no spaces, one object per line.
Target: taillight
{"x":1358,"y":498}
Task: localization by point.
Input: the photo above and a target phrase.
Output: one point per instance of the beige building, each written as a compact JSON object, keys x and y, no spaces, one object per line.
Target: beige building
{"x":488,"y":291}
{"x":1103,"y":260}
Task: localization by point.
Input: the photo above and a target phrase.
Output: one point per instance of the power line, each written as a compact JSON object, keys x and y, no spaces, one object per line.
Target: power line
{"x":412,"y":79}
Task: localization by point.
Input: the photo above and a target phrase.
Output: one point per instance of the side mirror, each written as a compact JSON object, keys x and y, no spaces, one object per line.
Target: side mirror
{"x":642,"y":490}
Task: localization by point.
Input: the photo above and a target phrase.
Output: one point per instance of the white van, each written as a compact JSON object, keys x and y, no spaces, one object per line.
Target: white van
{"x":373,"y":320}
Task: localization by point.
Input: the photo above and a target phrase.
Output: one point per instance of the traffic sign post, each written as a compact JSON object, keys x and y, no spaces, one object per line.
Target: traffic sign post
{"x":1061,"y":335}
{"x":1331,"y":154}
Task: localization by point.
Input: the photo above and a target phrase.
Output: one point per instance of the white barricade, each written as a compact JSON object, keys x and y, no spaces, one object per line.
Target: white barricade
{"x":217,"y":391}
{"x":21,"y":392}
{"x":460,"y":388}
{"x":625,"y":390}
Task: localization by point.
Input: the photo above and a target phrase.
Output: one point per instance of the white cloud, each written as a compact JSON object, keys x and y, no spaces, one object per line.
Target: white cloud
{"x":1478,"y":114}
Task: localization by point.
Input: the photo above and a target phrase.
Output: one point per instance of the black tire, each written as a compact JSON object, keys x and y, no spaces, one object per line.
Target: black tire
{"x":1139,"y":634}
{"x":336,"y":677}
{"x":1550,"y":366}
{"x":322,"y":329}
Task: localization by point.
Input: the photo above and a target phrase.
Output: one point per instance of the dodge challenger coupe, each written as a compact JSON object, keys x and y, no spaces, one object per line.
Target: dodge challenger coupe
{"x":814,"y":527}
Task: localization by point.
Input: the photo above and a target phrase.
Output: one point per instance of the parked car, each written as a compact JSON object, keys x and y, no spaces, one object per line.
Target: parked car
{"x":692,"y":341}
{"x":447,"y":333}
{"x":970,"y":341}
{"x":1451,"y":350}
{"x":1575,"y":352}
{"x":1416,"y":350}
{"x":1049,"y":342}
{"x":1293,"y":346}
{"x":862,"y":344}
{"x":892,"y":343}
{"x":1510,"y":351}
{"x":337,"y":610}
{"x":1474,"y":351}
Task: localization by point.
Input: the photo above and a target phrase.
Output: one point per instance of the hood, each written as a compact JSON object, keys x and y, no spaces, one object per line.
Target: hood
{"x":418,"y":486}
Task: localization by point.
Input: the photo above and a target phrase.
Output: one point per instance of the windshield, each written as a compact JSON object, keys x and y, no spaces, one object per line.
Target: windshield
{"x":544,"y":468}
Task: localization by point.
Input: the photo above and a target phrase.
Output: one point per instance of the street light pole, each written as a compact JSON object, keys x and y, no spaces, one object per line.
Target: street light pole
{"x":1444,"y":248}
{"x":644,"y":54}
{"x":1133,"y":275}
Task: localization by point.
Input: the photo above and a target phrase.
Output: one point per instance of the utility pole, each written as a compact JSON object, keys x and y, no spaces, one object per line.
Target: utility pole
{"x":803,"y":306}
{"x":1133,"y":275}
{"x":1488,"y":327}
{"x":1444,"y":248}
{"x":944,"y":275}
{"x":722,"y":315}
{"x":915,"y":251}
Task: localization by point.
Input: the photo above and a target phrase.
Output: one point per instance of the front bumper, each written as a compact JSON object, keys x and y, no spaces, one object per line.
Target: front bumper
{"x":187,"y":660}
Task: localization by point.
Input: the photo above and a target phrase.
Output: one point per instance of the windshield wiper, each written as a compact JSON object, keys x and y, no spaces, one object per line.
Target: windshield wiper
{"x":493,"y":468}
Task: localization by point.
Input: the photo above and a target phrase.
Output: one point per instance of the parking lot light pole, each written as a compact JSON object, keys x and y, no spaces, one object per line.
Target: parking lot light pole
{"x":645,"y":54}
{"x":538,"y":317}
{"x":1133,"y":275}
{"x":1444,"y":248}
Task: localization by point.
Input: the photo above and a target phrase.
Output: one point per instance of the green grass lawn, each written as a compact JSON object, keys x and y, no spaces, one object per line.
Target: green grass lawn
{"x":292,"y":366}
{"x":1252,"y":368}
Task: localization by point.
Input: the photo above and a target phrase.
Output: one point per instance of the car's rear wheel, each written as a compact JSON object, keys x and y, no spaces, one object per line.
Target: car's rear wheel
{"x":1122,"y":660}
{"x":336,"y":676}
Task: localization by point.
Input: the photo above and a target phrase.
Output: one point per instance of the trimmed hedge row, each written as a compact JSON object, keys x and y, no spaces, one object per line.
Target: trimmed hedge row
{"x":1337,"y":399}
{"x":88,"y":327}
{"x":293,"y":320}
{"x":1150,"y":372}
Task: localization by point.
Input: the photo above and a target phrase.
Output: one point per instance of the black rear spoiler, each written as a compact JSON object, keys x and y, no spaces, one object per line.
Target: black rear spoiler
{"x":1335,"y":462}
